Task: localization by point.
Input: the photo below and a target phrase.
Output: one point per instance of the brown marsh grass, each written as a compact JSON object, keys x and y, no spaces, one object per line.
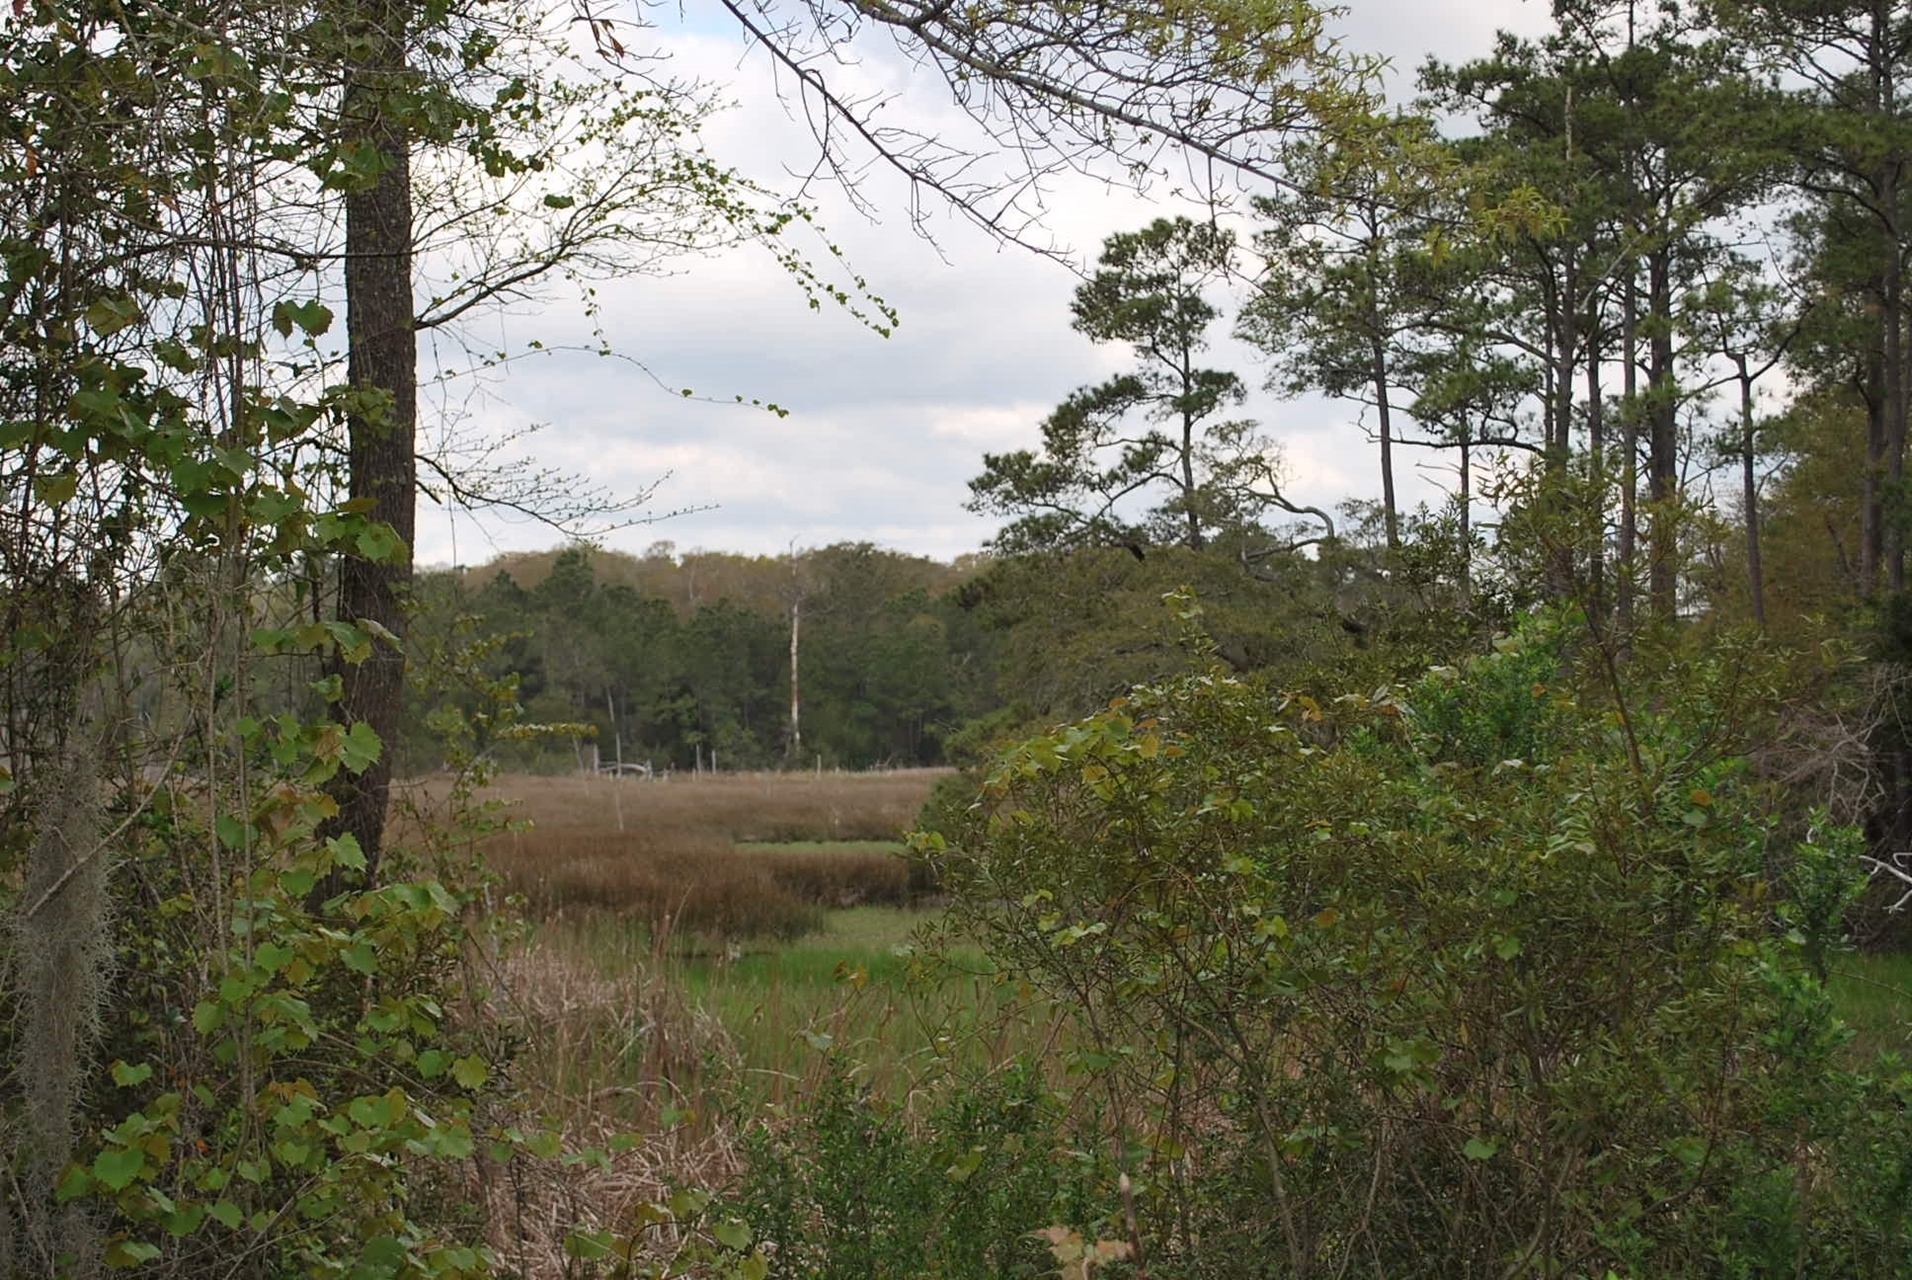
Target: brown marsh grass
{"x":739,"y":806}
{"x":699,"y":857}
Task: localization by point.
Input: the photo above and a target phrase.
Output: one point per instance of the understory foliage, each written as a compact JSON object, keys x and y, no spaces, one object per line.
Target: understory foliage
{"x":1512,"y":969}
{"x":858,"y":1187}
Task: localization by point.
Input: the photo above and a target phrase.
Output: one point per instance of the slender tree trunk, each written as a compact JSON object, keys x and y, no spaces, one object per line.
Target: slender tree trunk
{"x":1872,"y":483}
{"x":1892,"y":324}
{"x":1663,"y":443}
{"x":1566,"y":339}
{"x":1390,"y":514}
{"x":382,"y":367}
{"x":796,"y":694}
{"x":1596,"y":474}
{"x":1755,"y":572}
{"x":1629,"y":448}
{"x":1890,"y":517}
{"x":1467,"y":510}
{"x":1191,"y":508}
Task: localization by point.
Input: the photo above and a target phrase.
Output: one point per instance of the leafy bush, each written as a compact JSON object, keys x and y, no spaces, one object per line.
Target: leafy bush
{"x":853,"y":1188}
{"x":1505,"y":972}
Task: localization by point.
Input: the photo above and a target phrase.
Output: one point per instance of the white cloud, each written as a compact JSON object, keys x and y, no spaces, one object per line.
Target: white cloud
{"x":883,"y":434}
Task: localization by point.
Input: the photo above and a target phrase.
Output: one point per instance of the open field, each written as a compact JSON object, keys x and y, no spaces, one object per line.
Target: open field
{"x":709,"y":860}
{"x":1873,"y":994}
{"x":701,"y":972}
{"x":732,"y":925}
{"x":740,"y":806}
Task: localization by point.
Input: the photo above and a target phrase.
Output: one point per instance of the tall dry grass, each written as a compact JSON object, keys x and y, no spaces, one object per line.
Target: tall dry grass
{"x":740,"y":806}
{"x":622,"y":1034}
{"x":609,"y":1057}
{"x":694,"y":857}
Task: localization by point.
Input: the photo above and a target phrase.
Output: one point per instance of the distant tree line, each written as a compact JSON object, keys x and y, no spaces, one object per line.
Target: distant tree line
{"x":680,"y":661}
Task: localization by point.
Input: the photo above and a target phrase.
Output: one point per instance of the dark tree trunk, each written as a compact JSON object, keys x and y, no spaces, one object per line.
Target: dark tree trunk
{"x":382,"y":427}
{"x":1629,"y":449}
{"x":1663,"y":441}
{"x":1597,"y":475}
{"x":1872,"y":483}
{"x":1749,"y":455}
{"x":1389,"y":512}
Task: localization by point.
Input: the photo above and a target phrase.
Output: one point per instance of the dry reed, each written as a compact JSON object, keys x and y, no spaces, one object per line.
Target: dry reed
{"x":673,"y":853}
{"x":740,"y":806}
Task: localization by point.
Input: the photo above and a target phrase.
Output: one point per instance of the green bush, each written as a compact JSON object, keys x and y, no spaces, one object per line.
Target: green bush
{"x":853,"y":1188}
{"x":1507,"y":972}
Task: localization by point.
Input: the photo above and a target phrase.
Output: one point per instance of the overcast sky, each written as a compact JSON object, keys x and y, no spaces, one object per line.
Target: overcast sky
{"x":882,"y":434}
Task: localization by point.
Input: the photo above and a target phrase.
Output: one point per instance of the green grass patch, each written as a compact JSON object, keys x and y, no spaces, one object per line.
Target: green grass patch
{"x":1873,"y":994}
{"x":865,"y":848}
{"x":858,"y":986}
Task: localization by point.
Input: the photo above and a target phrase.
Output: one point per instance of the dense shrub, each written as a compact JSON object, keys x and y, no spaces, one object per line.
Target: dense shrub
{"x":854,"y":1188}
{"x":1506,"y":972}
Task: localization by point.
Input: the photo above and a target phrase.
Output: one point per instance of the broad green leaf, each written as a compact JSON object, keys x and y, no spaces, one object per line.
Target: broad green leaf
{"x":470,"y":1072}
{"x":126,"y":1075}
{"x":359,"y":748}
{"x":116,"y":1167}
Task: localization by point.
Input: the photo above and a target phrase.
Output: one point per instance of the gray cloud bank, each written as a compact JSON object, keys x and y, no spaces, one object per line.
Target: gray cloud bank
{"x":882,"y":434}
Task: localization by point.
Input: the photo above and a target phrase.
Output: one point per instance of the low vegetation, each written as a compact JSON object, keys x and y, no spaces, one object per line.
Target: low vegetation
{"x":711,"y":859}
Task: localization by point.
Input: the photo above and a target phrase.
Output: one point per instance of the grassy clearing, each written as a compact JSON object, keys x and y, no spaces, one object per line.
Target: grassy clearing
{"x":739,"y":806}
{"x":1874,"y":997}
{"x":732,"y":929}
{"x":711,"y":860}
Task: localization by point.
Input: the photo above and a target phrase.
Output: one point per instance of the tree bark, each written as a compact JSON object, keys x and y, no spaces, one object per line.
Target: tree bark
{"x":382,"y":368}
{"x":1597,"y":475}
{"x":1755,"y":571}
{"x":1629,"y":448}
{"x":1663,"y":440}
{"x":1389,"y":512}
{"x":796,"y":696}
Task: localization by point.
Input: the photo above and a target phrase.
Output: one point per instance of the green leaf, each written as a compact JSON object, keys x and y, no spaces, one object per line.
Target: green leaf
{"x":1479,"y":1149}
{"x":1507,"y":948}
{"x":73,"y":1184}
{"x":127,"y":1254}
{"x":208,"y":1017}
{"x":183,"y":1222}
{"x":379,"y":543}
{"x":559,"y":202}
{"x":470,"y":1072}
{"x":588,"y":1246}
{"x":116,"y":1167}
{"x":345,"y":849}
{"x":109,"y":315}
{"x":359,"y":748}
{"x":56,"y":488}
{"x":312,"y":318}
{"x":126,"y":1076}
{"x":226,"y":1212}
{"x":733,"y":1234}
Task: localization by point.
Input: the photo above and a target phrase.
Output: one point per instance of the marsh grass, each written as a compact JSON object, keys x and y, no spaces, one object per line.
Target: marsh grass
{"x":1873,"y":994}
{"x":708,"y":860}
{"x":860,"y":987}
{"x":739,"y":806}
{"x":702,"y":956}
